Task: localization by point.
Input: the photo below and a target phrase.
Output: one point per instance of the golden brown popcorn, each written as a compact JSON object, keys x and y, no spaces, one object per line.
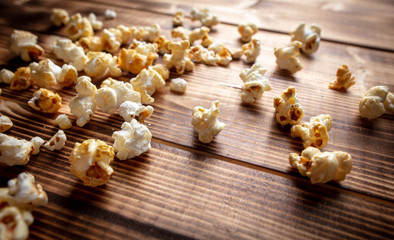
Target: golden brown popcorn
{"x":46,"y":101}
{"x":177,"y":20}
{"x":162,"y":44}
{"x":22,"y":79}
{"x":178,"y":58}
{"x":309,"y":37}
{"x":57,"y":142}
{"x":59,"y":17}
{"x":5,"y":123}
{"x":206,"y":123}
{"x":130,"y":60}
{"x":6,"y":76}
{"x":134,"y":110}
{"x":96,"y":24}
{"x":254,"y":83}
{"x":322,"y":167}
{"x":83,"y":105}
{"x":251,"y":50}
{"x":24,"y":44}
{"x":91,"y":43}
{"x":200,"y":54}
{"x":144,"y":48}
{"x":69,"y":52}
{"x":63,"y":121}
{"x":222,"y":52}
{"x":99,"y":63}
{"x":205,"y":16}
{"x":147,"y":34}
{"x":14,"y":151}
{"x":315,"y":132}
{"x":286,"y":57}
{"x":288,"y":108}
{"x":146,"y":83}
{"x":247,"y":31}
{"x":78,"y":27}
{"x":178,"y":85}
{"x":192,"y":36}
{"x":344,"y":80}
{"x":375,"y":101}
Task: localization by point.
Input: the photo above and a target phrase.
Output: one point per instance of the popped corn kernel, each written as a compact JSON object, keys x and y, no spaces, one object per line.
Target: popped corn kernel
{"x":254,"y":83}
{"x":83,"y":105}
{"x":144,"y":48}
{"x":222,"y":52}
{"x":99,"y":63}
{"x":162,"y":44}
{"x":147,"y":34}
{"x":198,"y":34}
{"x":178,"y":85}
{"x":200,"y":54}
{"x":286,"y":57}
{"x":59,"y":17}
{"x":69,"y":52}
{"x":205,"y":16}
{"x":111,"y":39}
{"x":24,"y":44}
{"x":178,"y":58}
{"x":322,"y":167}
{"x":78,"y":27}
{"x":309,"y":37}
{"x":146,"y":83}
{"x":57,"y":142}
{"x":180,"y":32}
{"x":251,"y":50}
{"x":96,"y":24}
{"x":47,"y":74}
{"x":130,"y":60}
{"x":288,"y":109}
{"x":13,"y":224}
{"x":37,"y":143}
{"x":177,"y":20}
{"x":22,"y":79}
{"x":206,"y":123}
{"x":109,"y":14}
{"x":6,"y":76}
{"x":63,"y":121}
{"x":5,"y":123}
{"x":160,"y":69}
{"x":129,"y":110}
{"x":372,"y":104}
{"x":389,"y":102}
{"x":91,"y":43}
{"x":90,"y":162}
{"x":132,"y":140}
{"x":247,"y":31}
{"x":236,"y":53}
{"x":45,"y":101}
{"x":68,"y":75}
{"x":315,"y":132}
{"x":127,"y":33}
{"x":14,"y":151}
{"x":344,"y":80}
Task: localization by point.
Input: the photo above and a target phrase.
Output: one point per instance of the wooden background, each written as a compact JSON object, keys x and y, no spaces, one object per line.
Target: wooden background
{"x":240,"y":186}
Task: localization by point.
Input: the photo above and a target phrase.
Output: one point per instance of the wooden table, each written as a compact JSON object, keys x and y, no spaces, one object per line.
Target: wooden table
{"x":241,"y":185}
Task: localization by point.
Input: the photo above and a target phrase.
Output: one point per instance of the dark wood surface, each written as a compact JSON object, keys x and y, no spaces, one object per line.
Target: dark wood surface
{"x":240,"y":186}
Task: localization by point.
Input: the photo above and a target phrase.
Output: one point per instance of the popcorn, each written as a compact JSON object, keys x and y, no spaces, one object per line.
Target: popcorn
{"x":14,"y":151}
{"x":6,"y":76}
{"x":177,"y":20}
{"x":5,"y":123}
{"x":109,"y":14}
{"x":236,"y":53}
{"x":91,"y":43}
{"x":286,"y":57}
{"x":22,"y":79}
{"x":99,"y":63}
{"x":97,"y":25}
{"x":374,"y":102}
{"x":206,"y":123}
{"x":63,"y":121}
{"x":200,"y":54}
{"x":178,"y":85}
{"x":144,"y":48}
{"x":90,"y":162}
{"x":127,"y":33}
{"x":247,"y":31}
{"x":111,"y":39}
{"x":178,"y":58}
{"x":185,"y":34}
{"x":162,"y":44}
{"x":78,"y":27}
{"x":160,"y":69}
{"x":67,"y":51}
{"x":25,"y":44}
{"x":146,"y":83}
{"x":309,"y":37}
{"x":322,"y":167}
{"x":133,"y":140}
{"x":251,"y":50}
{"x":37,"y":143}
{"x":147,"y":34}
{"x":315,"y":132}
{"x":59,"y":17}
{"x":47,"y":74}
{"x":57,"y":142}
{"x":389,"y":102}
{"x":344,"y":80}
{"x":83,"y":105}
{"x":205,"y":16}
{"x":222,"y":52}
{"x":45,"y":101}
{"x":288,"y":108}
{"x":68,"y":75}
{"x":13,"y":224}
{"x":130,"y":60}
{"x":129,"y":110}
{"x":254,"y":83}
{"x":180,"y":32}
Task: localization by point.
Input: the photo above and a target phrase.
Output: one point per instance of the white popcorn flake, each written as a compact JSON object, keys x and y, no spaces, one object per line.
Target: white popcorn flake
{"x":83,"y":105}
{"x":14,"y":151}
{"x":78,"y":27}
{"x":46,"y":101}
{"x":96,"y":24}
{"x":160,"y":69}
{"x":247,"y":30}
{"x":322,"y":167}
{"x":147,"y":34}
{"x":37,"y":143}
{"x":375,"y":102}
{"x":222,"y":53}
{"x":254,"y":83}
{"x":133,"y":140}
{"x":177,"y":20}
{"x":109,"y":14}
{"x":57,"y":142}
{"x":286,"y":57}
{"x":5,"y":123}
{"x":12,"y":216}
{"x":111,"y":39}
{"x":200,"y":54}
{"x":288,"y":108}
{"x":389,"y":102}
{"x":178,"y":85}
{"x":178,"y":58}
{"x":129,"y":110}
{"x":47,"y":74}
{"x":24,"y":44}
{"x":144,"y":48}
{"x":6,"y":76}
{"x":146,"y":83}
{"x":251,"y":50}
{"x":63,"y":121}
{"x":309,"y":37}
{"x":69,"y":52}
{"x":99,"y":63}
{"x":206,"y":123}
{"x":344,"y":80}
{"x":59,"y":17}
{"x":205,"y":16}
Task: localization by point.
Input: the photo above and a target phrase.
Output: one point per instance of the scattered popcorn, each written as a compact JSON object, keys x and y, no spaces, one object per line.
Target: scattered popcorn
{"x":5,"y":123}
{"x":251,"y":50}
{"x":129,"y":110}
{"x":315,"y":132}
{"x":67,"y":51}
{"x":247,"y":31}
{"x":177,"y":20}
{"x":63,"y":121}
{"x":286,"y":57}
{"x":57,"y":142}
{"x":109,"y":14}
{"x":322,"y":167}
{"x":6,"y":76}
{"x":14,"y":151}
{"x":111,"y":39}
{"x":254,"y":83}
{"x":205,"y":16}
{"x":90,"y":162}
{"x":25,"y":44}
{"x":309,"y":37}
{"x":344,"y":80}
{"x":146,"y":83}
{"x":59,"y":17}
{"x":222,"y":52}
{"x":147,"y":34}
{"x":47,"y":74}
{"x":374,"y":102}
{"x":97,"y":25}
{"x":99,"y":63}
{"x":162,"y":44}
{"x":180,"y":32}
{"x":200,"y":54}
{"x":78,"y":27}
{"x":160,"y":69}
{"x":178,"y":85}
{"x":37,"y":143}
{"x":288,"y":108}
{"x":130,"y":60}
{"x":127,"y":33}
{"x":206,"y":123}
{"x":91,"y":43}
{"x":144,"y":48}
{"x":45,"y":101}
{"x":22,"y":79}
{"x":178,"y":58}
{"x":133,"y":140}
{"x":83,"y":105}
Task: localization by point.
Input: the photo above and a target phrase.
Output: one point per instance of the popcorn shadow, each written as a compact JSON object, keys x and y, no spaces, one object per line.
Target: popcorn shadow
{"x":295,"y":144}
{"x":283,"y":74}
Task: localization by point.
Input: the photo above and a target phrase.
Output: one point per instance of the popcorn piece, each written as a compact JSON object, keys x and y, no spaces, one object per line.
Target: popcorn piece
{"x":206,"y":123}
{"x":162,"y":44}
{"x":22,"y":79}
{"x":68,"y":75}
{"x":67,"y":51}
{"x":389,"y":102}
{"x":178,"y":58}
{"x":309,"y":37}
{"x":63,"y":121}
{"x":247,"y":31}
{"x":147,"y":34}
{"x":127,"y":33}
{"x":97,"y":25}
{"x":236,"y":53}
{"x":178,"y":85}
{"x":47,"y":74}
{"x":205,"y":16}
{"x":46,"y":101}
{"x":129,"y":110}
{"x":200,"y":54}
{"x":90,"y":162}
{"x":130,"y":60}
{"x":59,"y":17}
{"x":91,"y":43}
{"x":322,"y":167}
{"x":222,"y":52}
{"x":78,"y":27}
{"x":57,"y":142}
{"x":185,"y":34}
{"x":111,"y":39}
{"x":24,"y":44}
{"x":6,"y":76}
{"x":146,"y":83}
{"x":286,"y":57}
{"x":160,"y":69}
{"x":177,"y":20}
{"x":14,"y":151}
{"x":109,"y":14}
{"x":254,"y":83}
{"x":5,"y":123}
{"x":372,"y":104}
{"x":251,"y":50}
{"x":315,"y":132}
{"x":288,"y":108}
{"x":13,"y":224}
{"x":37,"y":143}
{"x":99,"y":63}
{"x":180,"y":32}
{"x":83,"y":105}
{"x":145,"y":48}
{"x":344,"y":80}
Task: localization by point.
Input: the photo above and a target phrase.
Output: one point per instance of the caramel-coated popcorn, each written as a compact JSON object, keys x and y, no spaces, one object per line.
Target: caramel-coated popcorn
{"x":132,"y":61}
{"x":344,"y":80}
{"x":22,"y":79}
{"x":254,"y":83}
{"x":24,"y":44}
{"x":286,"y":57}
{"x":288,"y":108}
{"x":178,"y":58}
{"x":45,"y":101}
{"x":247,"y":31}
{"x":162,"y":44}
{"x":91,"y":43}
{"x":309,"y":37}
